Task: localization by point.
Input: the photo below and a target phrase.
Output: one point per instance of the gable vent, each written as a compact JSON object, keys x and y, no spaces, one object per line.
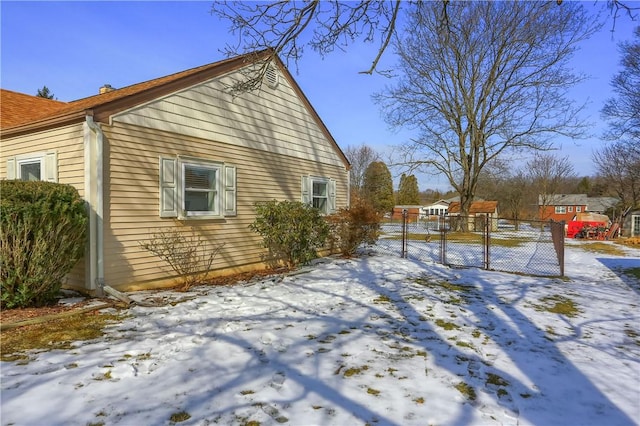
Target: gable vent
{"x":271,"y":77}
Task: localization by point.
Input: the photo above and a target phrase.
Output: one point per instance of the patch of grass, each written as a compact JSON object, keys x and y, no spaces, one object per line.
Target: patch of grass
{"x":443,"y":285}
{"x":59,"y":333}
{"x":330,"y":338}
{"x":246,"y":392}
{"x":501,"y":392}
{"x":419,"y":400}
{"x":466,"y":390}
{"x":373,"y":392}
{"x":600,"y":247}
{"x":355,"y":370}
{"x":180,"y":416}
{"x":382,"y":299}
{"x":465,"y":345}
{"x":447,"y":325}
{"x":494,"y":379}
{"x":558,"y":304}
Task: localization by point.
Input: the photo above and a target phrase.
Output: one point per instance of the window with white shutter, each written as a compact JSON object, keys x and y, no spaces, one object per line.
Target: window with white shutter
{"x":38,"y":166}
{"x":196,"y":188}
{"x":320,"y":192}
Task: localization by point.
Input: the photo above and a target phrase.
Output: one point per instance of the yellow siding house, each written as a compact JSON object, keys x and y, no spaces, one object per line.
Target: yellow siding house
{"x":132,"y":153}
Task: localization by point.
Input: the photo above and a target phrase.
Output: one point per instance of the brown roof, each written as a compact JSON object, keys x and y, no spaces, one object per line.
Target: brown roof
{"x":476,"y":207}
{"x":18,"y":108}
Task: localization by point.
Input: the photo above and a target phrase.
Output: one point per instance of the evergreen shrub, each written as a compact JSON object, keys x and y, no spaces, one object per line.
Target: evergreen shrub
{"x":43,"y":230}
{"x":290,"y":230}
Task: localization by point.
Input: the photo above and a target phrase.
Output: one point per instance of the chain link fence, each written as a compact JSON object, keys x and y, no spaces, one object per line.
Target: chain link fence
{"x":527,"y":247}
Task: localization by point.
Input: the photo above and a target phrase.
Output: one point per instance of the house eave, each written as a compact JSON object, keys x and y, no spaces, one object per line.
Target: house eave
{"x":45,"y":124}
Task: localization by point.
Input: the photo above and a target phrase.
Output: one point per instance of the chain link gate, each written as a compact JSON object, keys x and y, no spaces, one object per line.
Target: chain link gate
{"x":528,"y":247}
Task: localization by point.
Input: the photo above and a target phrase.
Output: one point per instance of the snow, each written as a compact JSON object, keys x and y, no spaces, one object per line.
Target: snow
{"x":374,"y":340}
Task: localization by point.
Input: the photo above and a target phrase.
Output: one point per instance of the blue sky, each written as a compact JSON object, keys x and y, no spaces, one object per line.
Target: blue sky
{"x":75,"y":47}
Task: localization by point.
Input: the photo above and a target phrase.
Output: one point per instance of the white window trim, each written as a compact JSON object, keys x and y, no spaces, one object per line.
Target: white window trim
{"x":560,"y":209}
{"x":212,"y":165}
{"x":48,"y":165}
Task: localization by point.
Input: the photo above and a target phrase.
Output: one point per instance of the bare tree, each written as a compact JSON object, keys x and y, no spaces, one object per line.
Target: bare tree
{"x":360,"y":157}
{"x":491,"y":81}
{"x":623,"y":109}
{"x":618,"y":165}
{"x":548,"y":174}
{"x":509,"y":186}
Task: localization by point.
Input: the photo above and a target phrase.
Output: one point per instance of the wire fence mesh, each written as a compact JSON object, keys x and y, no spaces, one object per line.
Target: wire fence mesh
{"x":528,"y":247}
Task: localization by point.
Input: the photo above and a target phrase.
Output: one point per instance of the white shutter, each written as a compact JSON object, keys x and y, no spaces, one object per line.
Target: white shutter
{"x":50,"y":166}
{"x":306,"y":190}
{"x":332,"y":195}
{"x":169,"y":187}
{"x":230,"y":191}
{"x":11,"y":168}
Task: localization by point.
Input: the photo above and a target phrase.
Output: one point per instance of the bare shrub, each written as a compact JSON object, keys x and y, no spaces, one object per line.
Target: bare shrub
{"x":350,"y":228}
{"x":187,"y":253}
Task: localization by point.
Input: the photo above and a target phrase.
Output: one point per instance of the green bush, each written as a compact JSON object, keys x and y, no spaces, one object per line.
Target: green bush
{"x":291,"y":231}
{"x":43,"y":228}
{"x":352,"y":227}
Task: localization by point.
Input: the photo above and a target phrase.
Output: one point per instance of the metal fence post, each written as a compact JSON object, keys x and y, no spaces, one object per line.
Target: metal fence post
{"x":487,"y":242}
{"x":443,"y":239}
{"x":405,"y":214}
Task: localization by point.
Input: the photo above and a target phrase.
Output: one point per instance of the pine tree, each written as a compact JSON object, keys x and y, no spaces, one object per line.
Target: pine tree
{"x":408,"y":193}
{"x":45,"y":93}
{"x":378,"y":187}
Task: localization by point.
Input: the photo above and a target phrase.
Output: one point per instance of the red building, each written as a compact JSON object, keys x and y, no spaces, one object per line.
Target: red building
{"x":561,"y":206}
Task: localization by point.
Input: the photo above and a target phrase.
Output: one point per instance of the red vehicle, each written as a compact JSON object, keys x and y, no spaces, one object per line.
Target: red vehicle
{"x":589,"y":225}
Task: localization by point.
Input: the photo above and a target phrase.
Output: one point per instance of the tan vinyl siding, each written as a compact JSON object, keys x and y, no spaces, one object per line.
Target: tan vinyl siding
{"x":132,"y":211}
{"x":67,"y":142}
{"x":271,"y":120}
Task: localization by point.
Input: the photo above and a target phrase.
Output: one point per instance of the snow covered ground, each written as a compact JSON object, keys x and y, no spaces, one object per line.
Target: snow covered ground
{"x":376,"y":340}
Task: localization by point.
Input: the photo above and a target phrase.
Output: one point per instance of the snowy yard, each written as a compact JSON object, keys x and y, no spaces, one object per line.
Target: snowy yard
{"x":377,"y":340}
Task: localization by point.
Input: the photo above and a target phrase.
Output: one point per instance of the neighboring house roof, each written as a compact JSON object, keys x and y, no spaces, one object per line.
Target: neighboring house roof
{"x":19,"y":108}
{"x":593,"y":204}
{"x":601,"y":204}
{"x":476,"y":207}
{"x":24,"y":114}
{"x":438,"y":203}
{"x":563,"y":200}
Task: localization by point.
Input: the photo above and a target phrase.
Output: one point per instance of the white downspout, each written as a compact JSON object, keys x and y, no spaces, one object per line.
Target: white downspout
{"x":93,"y":183}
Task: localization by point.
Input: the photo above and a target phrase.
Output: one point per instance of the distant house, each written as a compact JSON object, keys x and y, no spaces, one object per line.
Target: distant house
{"x":477,"y":209}
{"x":560,"y":207}
{"x":178,"y":152}
{"x":439,"y":208}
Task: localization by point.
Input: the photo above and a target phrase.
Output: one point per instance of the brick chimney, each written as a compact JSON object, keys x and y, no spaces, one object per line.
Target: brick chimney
{"x":106,"y":88}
